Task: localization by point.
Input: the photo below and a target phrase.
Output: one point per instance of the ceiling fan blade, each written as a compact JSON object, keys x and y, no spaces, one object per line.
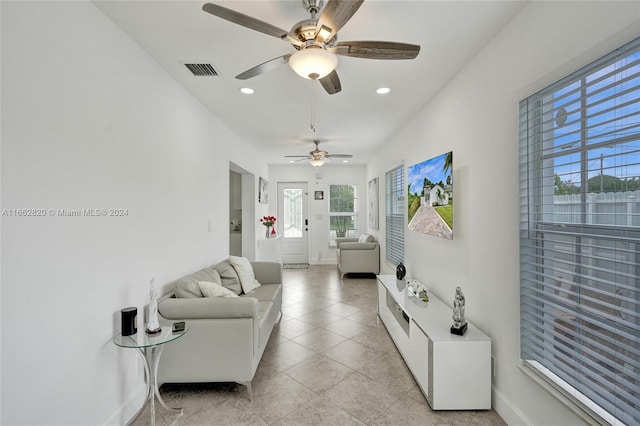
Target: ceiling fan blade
{"x":296,"y":156}
{"x":339,"y":156}
{"x":264,"y":67}
{"x":333,"y":17}
{"x":331,"y":83}
{"x":244,"y":20}
{"x":377,"y":49}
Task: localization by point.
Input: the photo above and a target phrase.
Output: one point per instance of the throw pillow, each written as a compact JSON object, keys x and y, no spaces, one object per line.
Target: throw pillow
{"x":228,"y":276}
{"x":214,"y":290}
{"x":365,"y":238}
{"x":245,"y":273}
{"x":187,"y":287}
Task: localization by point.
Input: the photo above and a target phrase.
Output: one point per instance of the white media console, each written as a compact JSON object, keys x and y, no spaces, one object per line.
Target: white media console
{"x":454,"y":372}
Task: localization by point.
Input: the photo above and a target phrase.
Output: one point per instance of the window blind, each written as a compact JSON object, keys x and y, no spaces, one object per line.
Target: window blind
{"x":580,"y":235}
{"x":394,"y":215}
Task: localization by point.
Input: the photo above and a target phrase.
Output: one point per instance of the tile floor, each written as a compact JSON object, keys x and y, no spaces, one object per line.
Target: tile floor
{"x":329,"y":362}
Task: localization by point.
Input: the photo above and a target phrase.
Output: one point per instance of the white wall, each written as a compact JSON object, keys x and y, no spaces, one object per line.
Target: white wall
{"x":319,"y":179}
{"x":90,"y":121}
{"x":476,"y":116}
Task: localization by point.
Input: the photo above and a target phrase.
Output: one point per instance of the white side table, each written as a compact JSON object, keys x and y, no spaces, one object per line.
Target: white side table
{"x":150,"y":348}
{"x":270,"y":249}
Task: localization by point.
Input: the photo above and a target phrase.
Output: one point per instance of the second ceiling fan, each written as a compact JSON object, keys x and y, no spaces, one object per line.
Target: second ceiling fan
{"x":318,"y":156}
{"x":316,"y":42}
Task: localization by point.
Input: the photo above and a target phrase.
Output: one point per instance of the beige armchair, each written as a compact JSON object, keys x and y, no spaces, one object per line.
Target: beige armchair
{"x":358,"y":255}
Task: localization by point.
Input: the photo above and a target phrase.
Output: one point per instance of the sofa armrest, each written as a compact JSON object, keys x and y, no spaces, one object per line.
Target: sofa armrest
{"x":208,"y":307}
{"x":341,"y":240}
{"x":358,"y":246}
{"x":267,"y":272}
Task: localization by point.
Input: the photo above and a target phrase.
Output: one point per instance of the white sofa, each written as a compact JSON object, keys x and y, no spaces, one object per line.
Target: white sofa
{"x":227,"y":335}
{"x":358,"y":255}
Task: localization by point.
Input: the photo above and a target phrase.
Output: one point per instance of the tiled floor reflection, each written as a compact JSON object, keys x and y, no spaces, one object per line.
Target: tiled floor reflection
{"x":329,"y":362}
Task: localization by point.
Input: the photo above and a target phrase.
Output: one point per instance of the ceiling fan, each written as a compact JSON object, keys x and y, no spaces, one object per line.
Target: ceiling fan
{"x":318,"y":156}
{"x":316,"y":41}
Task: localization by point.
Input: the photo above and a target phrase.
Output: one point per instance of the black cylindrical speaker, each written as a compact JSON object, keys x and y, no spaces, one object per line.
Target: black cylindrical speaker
{"x":129,"y":319}
{"x":401,"y":271}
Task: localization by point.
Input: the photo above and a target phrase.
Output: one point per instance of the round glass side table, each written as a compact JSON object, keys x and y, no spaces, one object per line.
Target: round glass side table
{"x":149,"y":347}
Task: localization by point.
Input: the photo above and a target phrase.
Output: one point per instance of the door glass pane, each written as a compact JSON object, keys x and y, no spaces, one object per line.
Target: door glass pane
{"x":292,"y":208}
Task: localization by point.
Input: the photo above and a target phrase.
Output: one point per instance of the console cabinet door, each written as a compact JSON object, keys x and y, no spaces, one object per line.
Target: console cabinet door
{"x":418,"y":359}
{"x":395,"y":320}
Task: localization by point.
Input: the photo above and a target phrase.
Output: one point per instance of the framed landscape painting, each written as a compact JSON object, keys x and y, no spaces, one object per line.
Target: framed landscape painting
{"x":430,"y":196}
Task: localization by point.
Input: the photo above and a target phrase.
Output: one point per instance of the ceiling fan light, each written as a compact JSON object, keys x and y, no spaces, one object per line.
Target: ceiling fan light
{"x":313,"y":63}
{"x":317,"y":162}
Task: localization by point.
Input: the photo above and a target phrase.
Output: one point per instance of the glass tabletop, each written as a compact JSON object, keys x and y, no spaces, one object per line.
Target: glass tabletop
{"x":143,"y":340}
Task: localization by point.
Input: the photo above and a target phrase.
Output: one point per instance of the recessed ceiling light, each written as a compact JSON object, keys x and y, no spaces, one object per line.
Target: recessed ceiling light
{"x":247,"y":90}
{"x":383,"y":90}
{"x":292,"y":161}
{"x":345,"y":161}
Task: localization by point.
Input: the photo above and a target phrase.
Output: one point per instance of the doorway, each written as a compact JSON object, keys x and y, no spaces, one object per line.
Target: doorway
{"x":235,"y":213}
{"x":293,"y":221}
{"x":242,"y":212}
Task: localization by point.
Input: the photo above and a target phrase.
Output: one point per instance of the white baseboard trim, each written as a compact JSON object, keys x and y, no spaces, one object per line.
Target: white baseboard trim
{"x":324,"y":262}
{"x":127,"y":410}
{"x":510,"y":414}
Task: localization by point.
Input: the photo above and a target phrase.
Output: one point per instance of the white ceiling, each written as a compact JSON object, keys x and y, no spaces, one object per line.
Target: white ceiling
{"x":276,"y":118}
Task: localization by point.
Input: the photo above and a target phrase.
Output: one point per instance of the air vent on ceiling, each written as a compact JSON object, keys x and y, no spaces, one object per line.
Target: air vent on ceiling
{"x":202,"y":70}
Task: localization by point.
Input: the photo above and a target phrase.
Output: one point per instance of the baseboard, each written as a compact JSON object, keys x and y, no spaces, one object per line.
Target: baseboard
{"x":323,"y":262}
{"x":510,"y":414}
{"x":127,"y":410}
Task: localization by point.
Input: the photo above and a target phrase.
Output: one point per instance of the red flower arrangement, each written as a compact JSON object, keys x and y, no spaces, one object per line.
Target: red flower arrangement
{"x":268,"y":220}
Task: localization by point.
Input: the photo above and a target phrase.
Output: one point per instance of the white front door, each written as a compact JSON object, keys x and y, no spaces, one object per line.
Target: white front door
{"x":293,"y":221}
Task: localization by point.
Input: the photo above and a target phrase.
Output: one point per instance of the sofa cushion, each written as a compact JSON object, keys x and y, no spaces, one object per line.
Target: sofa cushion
{"x":245,"y":273}
{"x":229,"y":276}
{"x":266,"y":292}
{"x":210,"y":289}
{"x":365,"y":238}
{"x":187,"y":287}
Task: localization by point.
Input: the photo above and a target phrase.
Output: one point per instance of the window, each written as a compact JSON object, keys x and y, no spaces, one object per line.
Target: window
{"x":292,"y":199}
{"x":394,"y":215}
{"x":343,"y":212}
{"x":580,"y":235}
